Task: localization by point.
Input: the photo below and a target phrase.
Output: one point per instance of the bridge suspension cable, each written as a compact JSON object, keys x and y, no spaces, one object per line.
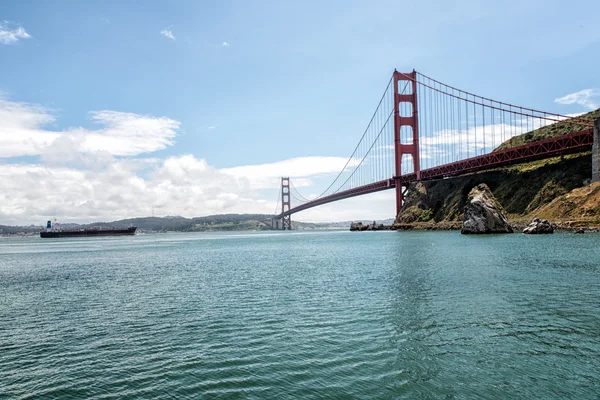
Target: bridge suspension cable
{"x":299,"y":199}
{"x":277,"y":205}
{"x":499,"y":105}
{"x":296,"y":194}
{"x":455,"y":124}
{"x":372,"y":158}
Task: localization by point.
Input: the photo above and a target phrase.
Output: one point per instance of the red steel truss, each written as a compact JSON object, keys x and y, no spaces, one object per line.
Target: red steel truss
{"x":571,"y":143}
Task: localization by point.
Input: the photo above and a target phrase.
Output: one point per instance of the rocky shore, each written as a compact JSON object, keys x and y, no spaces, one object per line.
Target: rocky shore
{"x":564,"y":226}
{"x":483,"y":213}
{"x":417,"y":226}
{"x":567,"y":226}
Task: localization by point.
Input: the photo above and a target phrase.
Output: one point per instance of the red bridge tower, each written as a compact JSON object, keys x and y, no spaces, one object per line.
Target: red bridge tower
{"x":412,"y":121}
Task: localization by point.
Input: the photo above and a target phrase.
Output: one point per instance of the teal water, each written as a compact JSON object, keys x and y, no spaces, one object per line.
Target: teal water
{"x":335,"y":315}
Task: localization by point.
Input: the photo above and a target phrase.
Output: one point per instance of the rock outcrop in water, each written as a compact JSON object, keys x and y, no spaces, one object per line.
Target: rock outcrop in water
{"x":483,"y":213}
{"x":539,"y":226}
{"x":358,"y":226}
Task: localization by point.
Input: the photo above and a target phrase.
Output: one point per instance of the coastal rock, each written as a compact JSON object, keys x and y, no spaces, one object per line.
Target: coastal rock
{"x":539,"y":226}
{"x":375,"y":227}
{"x":483,"y":213}
{"x":357,"y":226}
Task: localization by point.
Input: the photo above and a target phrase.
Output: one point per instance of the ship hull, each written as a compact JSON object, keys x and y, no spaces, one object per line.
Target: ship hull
{"x":89,"y":232}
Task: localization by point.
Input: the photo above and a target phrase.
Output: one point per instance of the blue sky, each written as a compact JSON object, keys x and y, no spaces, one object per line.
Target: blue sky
{"x":267,"y":88}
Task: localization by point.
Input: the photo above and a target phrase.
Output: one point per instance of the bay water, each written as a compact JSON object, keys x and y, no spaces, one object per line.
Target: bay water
{"x":301,"y":315}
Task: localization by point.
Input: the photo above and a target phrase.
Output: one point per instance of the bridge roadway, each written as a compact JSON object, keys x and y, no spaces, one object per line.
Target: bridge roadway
{"x":560,"y":145}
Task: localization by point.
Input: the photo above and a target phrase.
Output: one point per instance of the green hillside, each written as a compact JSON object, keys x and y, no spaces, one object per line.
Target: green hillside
{"x":223,"y":222}
{"x":547,"y":132}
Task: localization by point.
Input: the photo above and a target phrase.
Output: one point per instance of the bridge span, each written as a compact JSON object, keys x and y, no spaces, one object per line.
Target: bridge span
{"x":422,"y":122}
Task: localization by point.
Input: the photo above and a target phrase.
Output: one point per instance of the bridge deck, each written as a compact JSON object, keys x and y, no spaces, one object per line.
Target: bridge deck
{"x":566,"y":144}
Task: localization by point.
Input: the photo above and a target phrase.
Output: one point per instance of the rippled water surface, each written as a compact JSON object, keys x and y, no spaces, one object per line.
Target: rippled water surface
{"x":301,"y":315}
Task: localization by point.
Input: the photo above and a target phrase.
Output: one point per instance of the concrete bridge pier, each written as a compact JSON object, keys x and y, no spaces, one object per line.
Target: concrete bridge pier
{"x":596,"y":152}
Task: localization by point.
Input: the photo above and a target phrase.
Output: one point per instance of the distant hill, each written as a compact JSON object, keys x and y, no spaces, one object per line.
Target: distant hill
{"x":17,"y":230}
{"x":223,"y":222}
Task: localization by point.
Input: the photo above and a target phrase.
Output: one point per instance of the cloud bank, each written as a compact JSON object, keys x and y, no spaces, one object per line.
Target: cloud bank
{"x":104,"y":174}
{"x":116,"y":188}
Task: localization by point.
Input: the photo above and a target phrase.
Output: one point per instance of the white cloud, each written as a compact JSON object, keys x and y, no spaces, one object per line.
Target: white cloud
{"x":588,"y":98}
{"x":22,"y":133}
{"x":121,"y":188}
{"x":212,"y":127}
{"x":225,"y":44}
{"x":128,"y":134}
{"x":301,"y":169}
{"x":176,"y":186}
{"x":168,"y":34}
{"x":10,"y":35}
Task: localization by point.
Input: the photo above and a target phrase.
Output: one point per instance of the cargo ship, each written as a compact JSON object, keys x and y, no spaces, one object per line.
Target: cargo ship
{"x":54,"y":231}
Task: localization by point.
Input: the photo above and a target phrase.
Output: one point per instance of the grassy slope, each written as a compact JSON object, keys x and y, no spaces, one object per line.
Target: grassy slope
{"x":546,"y":132}
{"x":581,"y":206}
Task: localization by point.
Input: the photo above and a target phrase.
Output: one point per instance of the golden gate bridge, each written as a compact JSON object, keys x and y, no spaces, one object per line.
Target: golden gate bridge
{"x":423,"y":129}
